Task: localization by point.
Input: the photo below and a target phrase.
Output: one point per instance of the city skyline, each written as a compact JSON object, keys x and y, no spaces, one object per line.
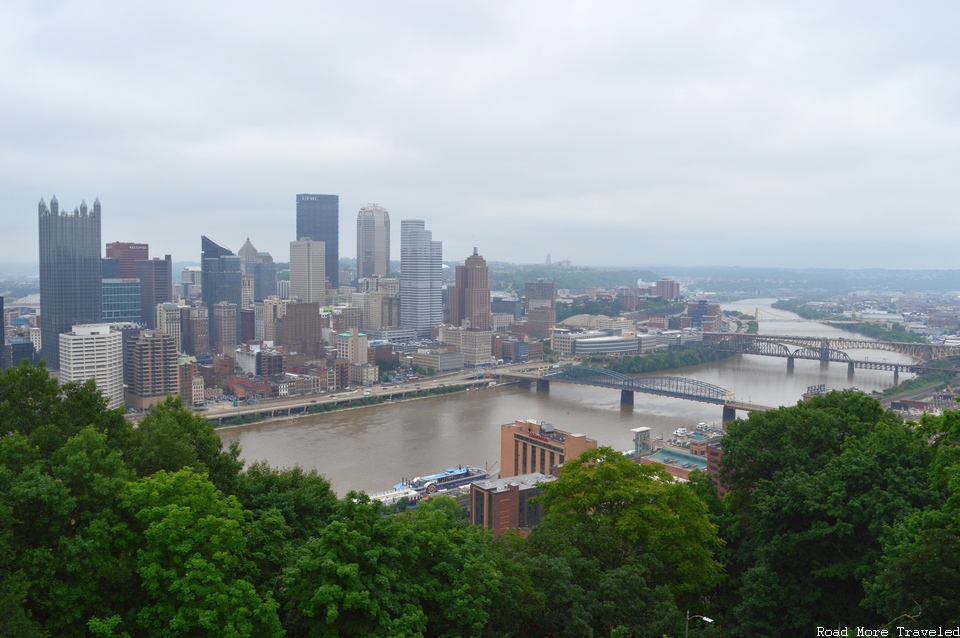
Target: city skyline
{"x":724,"y":132}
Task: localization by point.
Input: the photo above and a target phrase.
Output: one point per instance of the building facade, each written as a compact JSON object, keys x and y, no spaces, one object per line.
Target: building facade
{"x":70,"y":273}
{"x":421,"y":278}
{"x":121,"y":300}
{"x":93,"y":351}
{"x":308,"y":274}
{"x":508,"y":503}
{"x":470,"y":296}
{"x":373,"y":242}
{"x":152,"y":362}
{"x":156,"y":286}
{"x":221,"y":281}
{"x":536,"y":446}
{"x":126,"y":253}
{"x":318,"y":218}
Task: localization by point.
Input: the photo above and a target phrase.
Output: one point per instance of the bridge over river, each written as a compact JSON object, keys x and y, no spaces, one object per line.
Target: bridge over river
{"x":676,"y":387}
{"x":831,"y":350}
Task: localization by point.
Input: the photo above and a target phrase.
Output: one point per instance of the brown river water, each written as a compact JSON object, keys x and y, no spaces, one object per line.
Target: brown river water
{"x":372,"y":448}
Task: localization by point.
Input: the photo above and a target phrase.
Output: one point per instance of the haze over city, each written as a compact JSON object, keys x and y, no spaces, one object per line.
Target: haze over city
{"x":746,"y":134}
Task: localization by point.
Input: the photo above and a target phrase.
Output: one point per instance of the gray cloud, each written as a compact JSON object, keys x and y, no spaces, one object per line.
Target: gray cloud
{"x":749,"y":133}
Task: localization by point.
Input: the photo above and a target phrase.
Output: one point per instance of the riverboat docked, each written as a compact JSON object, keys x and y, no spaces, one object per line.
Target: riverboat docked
{"x":446,"y":480}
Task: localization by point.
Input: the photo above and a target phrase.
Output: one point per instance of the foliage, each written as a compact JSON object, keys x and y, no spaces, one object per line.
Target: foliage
{"x":799,"y":307}
{"x":925,"y":380}
{"x":897,"y":333}
{"x":515,"y":278}
{"x":812,"y":489}
{"x":589,"y":307}
{"x":674,"y":358}
{"x":640,"y":505}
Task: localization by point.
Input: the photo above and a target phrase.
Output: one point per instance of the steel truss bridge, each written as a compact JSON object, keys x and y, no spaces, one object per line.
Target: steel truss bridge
{"x":743,"y":342}
{"x":675,"y":387}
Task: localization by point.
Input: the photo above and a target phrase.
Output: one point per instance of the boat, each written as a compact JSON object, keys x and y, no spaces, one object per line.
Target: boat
{"x":680,"y":432}
{"x":446,"y":480}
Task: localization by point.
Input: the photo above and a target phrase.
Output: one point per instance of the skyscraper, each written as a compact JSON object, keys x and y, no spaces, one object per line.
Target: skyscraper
{"x":470,"y":297}
{"x":156,"y":286}
{"x":70,"y":276}
{"x":373,"y":242}
{"x":421,"y":277}
{"x":127,"y":253}
{"x":318,"y":218}
{"x":93,"y":351}
{"x":220,"y":281}
{"x":307,"y":271}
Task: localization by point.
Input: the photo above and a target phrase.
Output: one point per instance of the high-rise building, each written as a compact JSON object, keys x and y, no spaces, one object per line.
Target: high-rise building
{"x":373,"y":242}
{"x":421,"y":277}
{"x":121,"y":300}
{"x":169,"y":322}
{"x":308,"y":270}
{"x":540,"y":294}
{"x":152,"y":361}
{"x":127,"y":253}
{"x":156,"y":286}
{"x":259,"y":266}
{"x":4,"y":355}
{"x":70,"y":280}
{"x":301,"y":329}
{"x":220,"y":282}
{"x":225,"y":327}
{"x":470,"y":297}
{"x":318,"y":218}
{"x":93,"y":351}
{"x":195,"y":329}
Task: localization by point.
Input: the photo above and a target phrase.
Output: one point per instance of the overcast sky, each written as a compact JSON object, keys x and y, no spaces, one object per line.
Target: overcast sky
{"x":607,"y":133}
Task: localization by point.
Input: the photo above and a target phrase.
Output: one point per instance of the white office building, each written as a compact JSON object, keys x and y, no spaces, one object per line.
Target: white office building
{"x":421,"y":278}
{"x":94,"y":351}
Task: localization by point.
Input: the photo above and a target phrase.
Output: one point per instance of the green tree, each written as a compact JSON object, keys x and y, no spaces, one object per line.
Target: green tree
{"x":190,"y":551}
{"x":811,"y":491}
{"x":643,"y":506}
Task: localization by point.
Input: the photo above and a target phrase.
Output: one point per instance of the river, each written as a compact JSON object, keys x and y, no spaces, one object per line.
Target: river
{"x":372,"y":448}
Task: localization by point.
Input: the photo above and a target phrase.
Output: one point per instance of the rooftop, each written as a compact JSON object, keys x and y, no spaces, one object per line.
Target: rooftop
{"x":523,"y":481}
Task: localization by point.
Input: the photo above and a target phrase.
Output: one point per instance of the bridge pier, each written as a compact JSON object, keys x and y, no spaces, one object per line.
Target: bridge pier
{"x":626,"y":397}
{"x":729,"y":414}
{"x":896,"y":375}
{"x":543,"y":385}
{"x":850,"y":369}
{"x":790,"y":362}
{"x":523,"y":383}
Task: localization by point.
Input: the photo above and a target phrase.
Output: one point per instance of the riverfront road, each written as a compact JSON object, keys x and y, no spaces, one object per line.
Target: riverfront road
{"x":285,"y":406}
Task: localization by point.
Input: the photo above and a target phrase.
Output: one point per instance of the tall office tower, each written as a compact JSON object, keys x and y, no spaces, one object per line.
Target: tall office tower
{"x":152,"y":361}
{"x":421,"y":277}
{"x":248,"y":256}
{"x":121,"y":300}
{"x":190,"y":281}
{"x":267,"y":325}
{"x":220,"y":281}
{"x":308,"y":270}
{"x":93,"y":351}
{"x":168,"y":322}
{"x":195,"y":329}
{"x":109,"y":268}
{"x":470,"y":297}
{"x":156,"y":286}
{"x":264,"y":277}
{"x":70,"y":281}
{"x":540,"y":294}
{"x":318,"y":218}
{"x":301,"y":329}
{"x":4,"y":355}
{"x":225,"y":324}
{"x":373,"y":242}
{"x":127,"y":253}
{"x":246,"y":291}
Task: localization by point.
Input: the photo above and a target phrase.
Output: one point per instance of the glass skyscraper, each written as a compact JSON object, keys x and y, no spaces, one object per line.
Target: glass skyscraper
{"x":219,"y":281}
{"x":70,"y":279}
{"x":421,"y":278}
{"x":318,"y":218}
